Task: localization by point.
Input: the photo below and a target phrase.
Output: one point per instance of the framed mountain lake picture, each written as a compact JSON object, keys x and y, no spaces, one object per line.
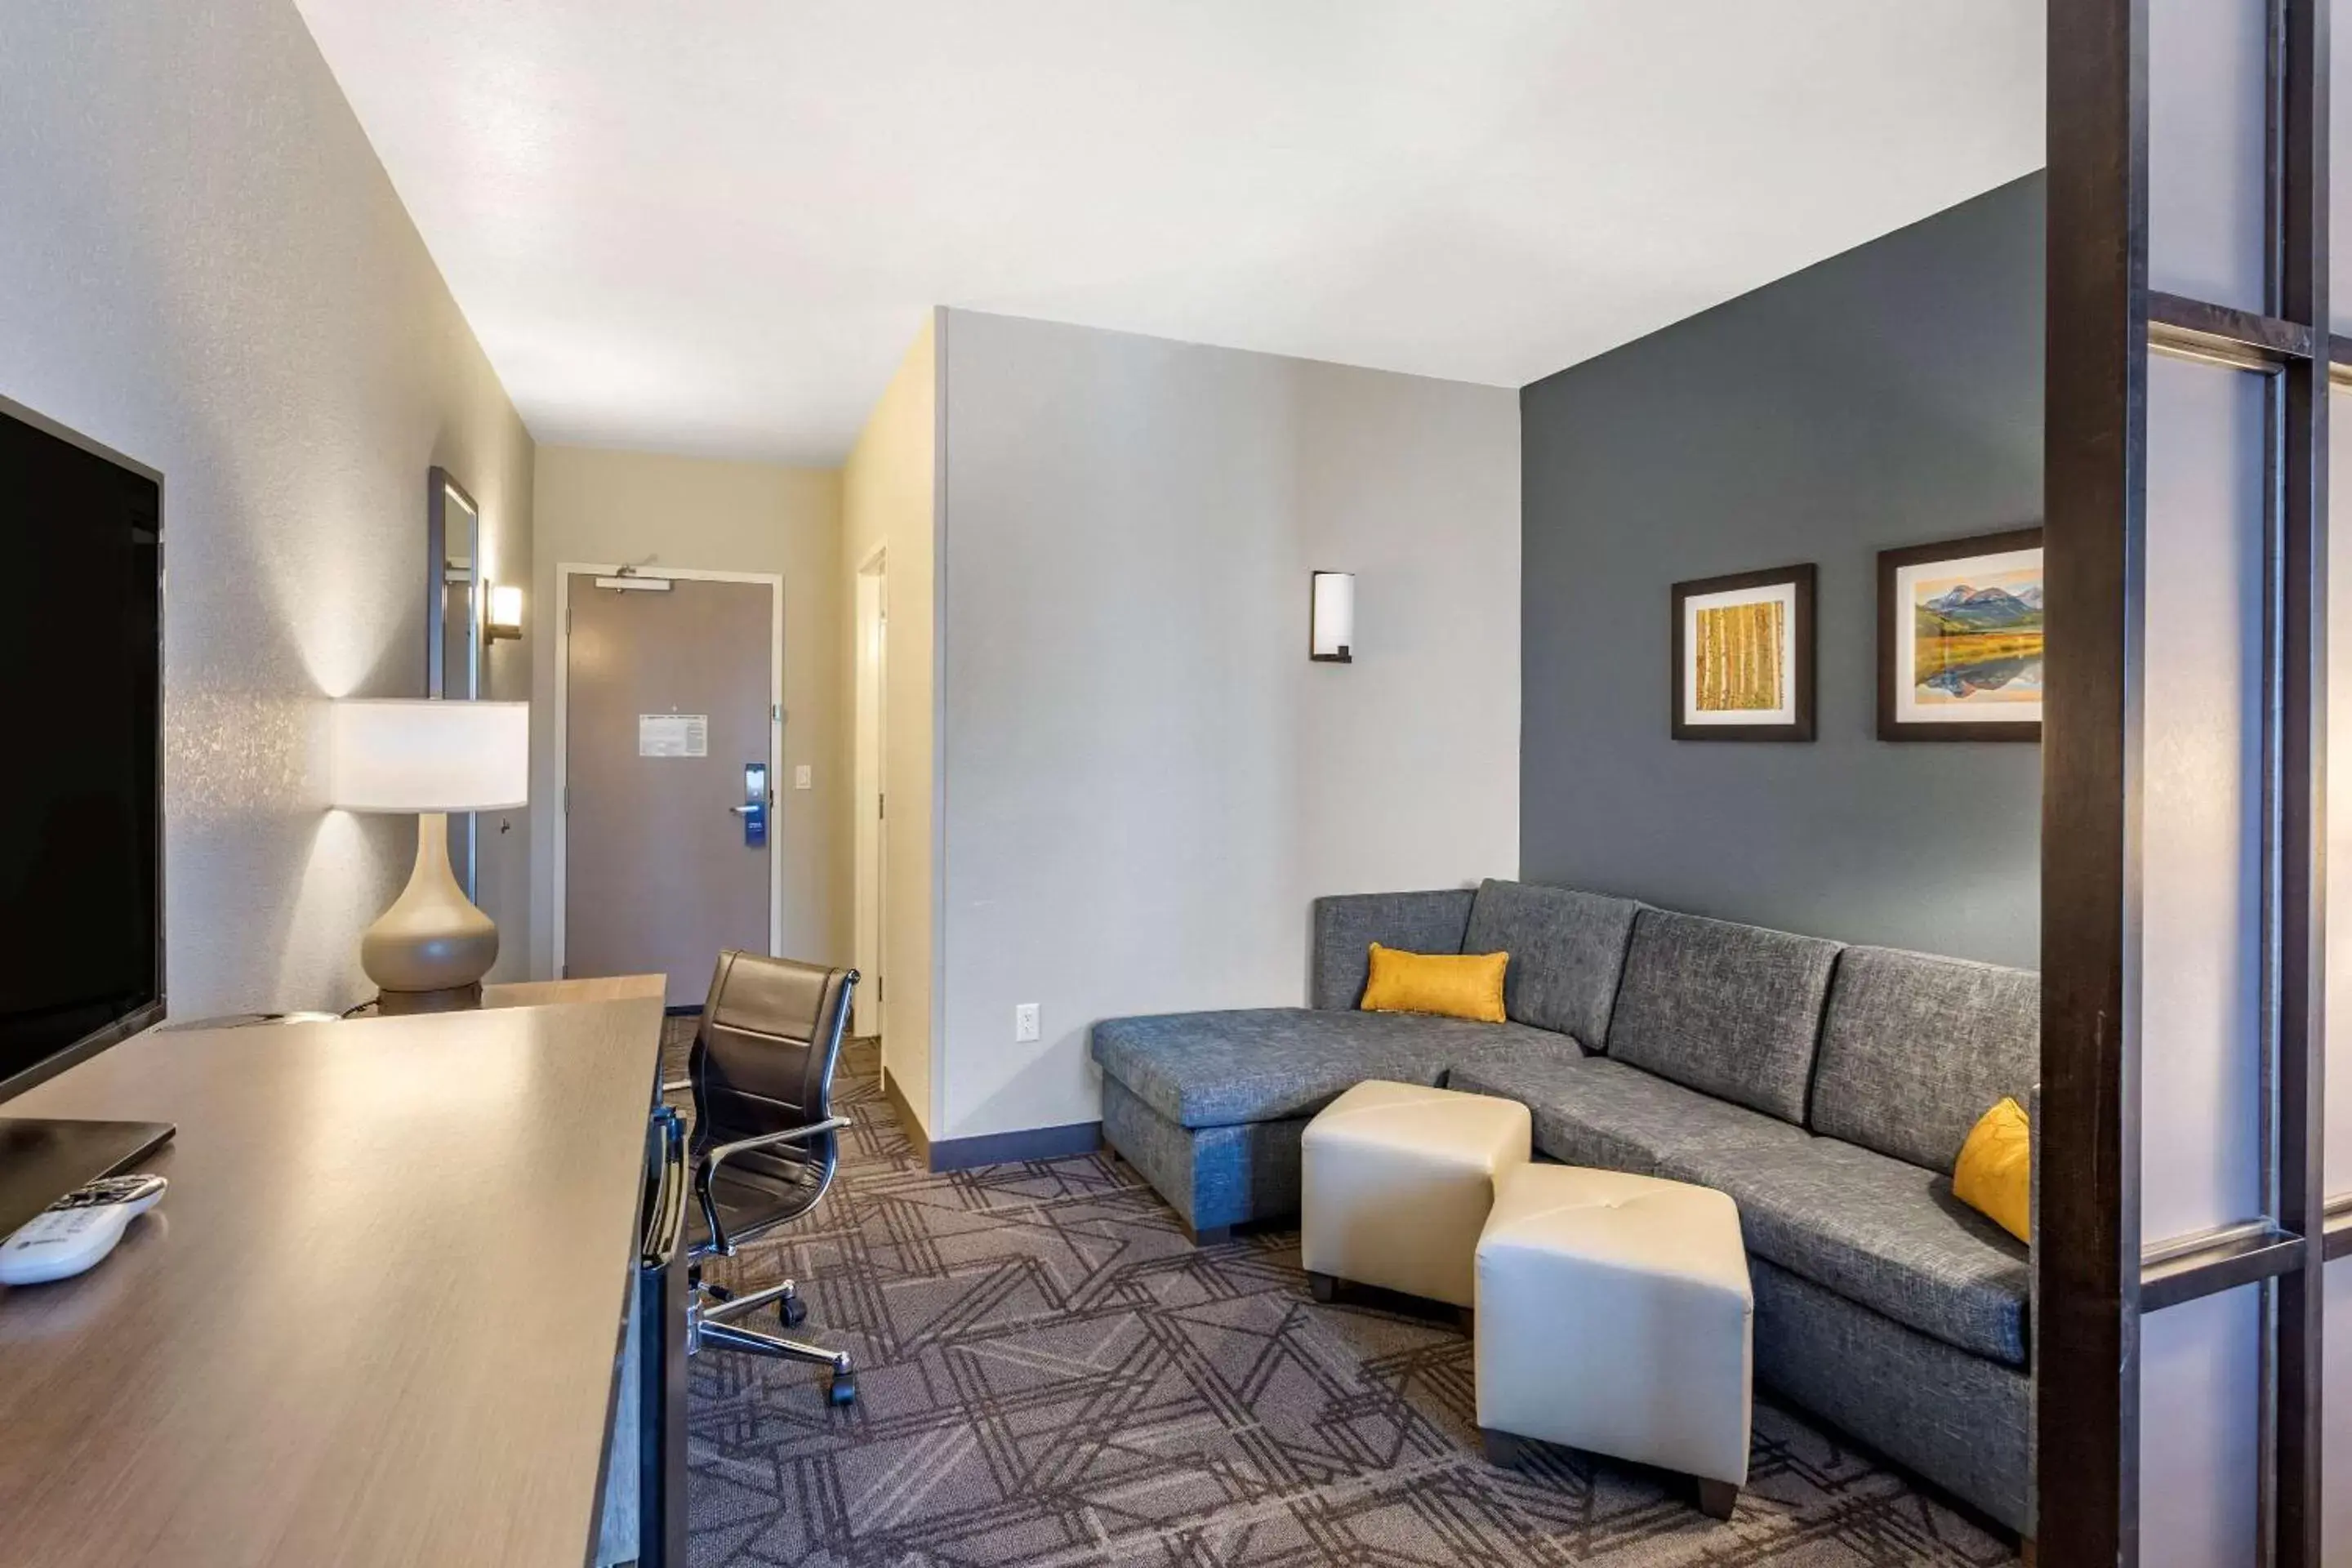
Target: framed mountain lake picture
{"x":1960,"y":639}
{"x":1743,"y":653}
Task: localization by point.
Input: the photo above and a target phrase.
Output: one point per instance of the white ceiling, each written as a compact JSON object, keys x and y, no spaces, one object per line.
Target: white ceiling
{"x":714,"y":228}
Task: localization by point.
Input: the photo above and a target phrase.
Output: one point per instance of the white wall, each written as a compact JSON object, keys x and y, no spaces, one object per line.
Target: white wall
{"x":204,"y":266}
{"x":890,"y":502}
{"x":601,"y":507}
{"x":1146,"y":781}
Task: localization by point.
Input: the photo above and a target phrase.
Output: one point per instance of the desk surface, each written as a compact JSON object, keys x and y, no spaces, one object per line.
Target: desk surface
{"x":378,"y":1320}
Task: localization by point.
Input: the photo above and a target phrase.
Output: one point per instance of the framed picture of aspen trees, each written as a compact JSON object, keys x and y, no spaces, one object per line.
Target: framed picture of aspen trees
{"x":1743,"y":652}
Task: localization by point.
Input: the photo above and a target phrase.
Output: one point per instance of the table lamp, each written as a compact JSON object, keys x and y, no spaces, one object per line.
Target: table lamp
{"x":429,"y":952}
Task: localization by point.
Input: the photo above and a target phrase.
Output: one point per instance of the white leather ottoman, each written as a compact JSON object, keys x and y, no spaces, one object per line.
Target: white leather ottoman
{"x":1615,"y":1316}
{"x":1396,"y":1181}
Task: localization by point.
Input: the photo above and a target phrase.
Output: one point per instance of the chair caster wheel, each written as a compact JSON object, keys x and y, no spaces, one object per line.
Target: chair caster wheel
{"x":791,"y":1311}
{"x":842,"y":1389}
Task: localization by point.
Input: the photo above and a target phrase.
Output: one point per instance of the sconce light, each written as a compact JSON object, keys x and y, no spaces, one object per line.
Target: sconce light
{"x":505,"y":619}
{"x":1332,"y":617}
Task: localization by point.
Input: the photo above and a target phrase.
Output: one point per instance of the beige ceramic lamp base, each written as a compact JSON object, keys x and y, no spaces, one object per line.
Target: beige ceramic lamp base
{"x":428,"y":953}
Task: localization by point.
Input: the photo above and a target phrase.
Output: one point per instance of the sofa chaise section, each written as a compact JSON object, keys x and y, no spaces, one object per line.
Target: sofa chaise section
{"x":1210,"y":1106}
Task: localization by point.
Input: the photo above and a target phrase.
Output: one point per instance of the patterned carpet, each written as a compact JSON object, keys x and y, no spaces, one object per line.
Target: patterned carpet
{"x":1049,"y":1374}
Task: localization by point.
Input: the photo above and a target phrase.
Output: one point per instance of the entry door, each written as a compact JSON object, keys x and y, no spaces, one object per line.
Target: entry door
{"x":667,"y":830}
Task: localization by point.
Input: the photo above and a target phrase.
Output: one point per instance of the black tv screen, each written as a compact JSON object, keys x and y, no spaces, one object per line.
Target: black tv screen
{"x":81,"y":953}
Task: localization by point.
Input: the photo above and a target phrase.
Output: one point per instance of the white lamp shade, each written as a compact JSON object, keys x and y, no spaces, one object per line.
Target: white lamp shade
{"x":1331,"y":634}
{"x":410,"y":755}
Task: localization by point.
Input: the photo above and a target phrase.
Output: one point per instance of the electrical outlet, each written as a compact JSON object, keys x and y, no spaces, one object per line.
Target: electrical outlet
{"x":1024,"y":1021}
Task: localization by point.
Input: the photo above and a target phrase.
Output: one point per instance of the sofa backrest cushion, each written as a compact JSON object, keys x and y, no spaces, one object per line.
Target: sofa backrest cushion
{"x":1731,"y":1010}
{"x":1346,"y":925}
{"x":1566,"y":951}
{"x":1915,"y":1048}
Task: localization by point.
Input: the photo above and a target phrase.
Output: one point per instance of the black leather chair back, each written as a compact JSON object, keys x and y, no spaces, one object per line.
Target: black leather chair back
{"x":763,"y":1061}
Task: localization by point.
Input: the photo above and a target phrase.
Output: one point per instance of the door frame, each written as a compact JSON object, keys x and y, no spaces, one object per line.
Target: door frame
{"x":565,"y":571}
{"x":869,"y":874}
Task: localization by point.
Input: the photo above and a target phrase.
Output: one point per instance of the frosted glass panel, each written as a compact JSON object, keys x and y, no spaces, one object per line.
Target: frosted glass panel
{"x":2202,"y":860}
{"x":2206,"y":86}
{"x":2201,"y":1430}
{"x":2335,"y":1418}
{"x":2339,"y":792}
{"x":2339,"y":181}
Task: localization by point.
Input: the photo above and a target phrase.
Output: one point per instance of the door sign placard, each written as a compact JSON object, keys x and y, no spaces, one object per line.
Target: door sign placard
{"x":673,"y":734}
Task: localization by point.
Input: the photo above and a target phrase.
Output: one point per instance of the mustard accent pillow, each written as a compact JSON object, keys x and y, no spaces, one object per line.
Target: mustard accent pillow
{"x":1995,"y":1176}
{"x":1453,"y":985}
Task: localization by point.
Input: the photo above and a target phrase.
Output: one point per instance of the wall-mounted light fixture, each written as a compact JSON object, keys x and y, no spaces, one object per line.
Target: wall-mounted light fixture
{"x":1332,"y":617}
{"x":504,"y":621}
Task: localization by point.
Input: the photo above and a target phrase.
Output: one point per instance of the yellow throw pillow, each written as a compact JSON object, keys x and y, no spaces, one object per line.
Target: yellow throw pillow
{"x":1995,"y":1176}
{"x":1455,"y":984}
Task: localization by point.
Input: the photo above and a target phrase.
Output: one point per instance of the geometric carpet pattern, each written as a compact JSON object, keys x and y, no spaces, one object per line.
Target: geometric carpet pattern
{"x":1049,"y":1374}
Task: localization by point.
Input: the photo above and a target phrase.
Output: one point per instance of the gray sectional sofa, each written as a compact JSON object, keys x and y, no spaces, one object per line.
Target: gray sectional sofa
{"x":1827,"y":1088}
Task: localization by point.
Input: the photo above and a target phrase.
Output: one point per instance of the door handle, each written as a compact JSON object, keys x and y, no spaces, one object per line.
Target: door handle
{"x":743,"y":810}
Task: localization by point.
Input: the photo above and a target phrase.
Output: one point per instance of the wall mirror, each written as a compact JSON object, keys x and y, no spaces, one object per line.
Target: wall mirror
{"x":453,"y":634}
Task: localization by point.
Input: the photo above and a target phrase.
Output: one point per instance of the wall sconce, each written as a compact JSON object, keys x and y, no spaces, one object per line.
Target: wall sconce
{"x":1332,"y":617}
{"x":505,"y":619}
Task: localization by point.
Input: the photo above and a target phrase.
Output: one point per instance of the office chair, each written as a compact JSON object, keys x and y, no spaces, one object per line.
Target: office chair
{"x":765,"y":1139}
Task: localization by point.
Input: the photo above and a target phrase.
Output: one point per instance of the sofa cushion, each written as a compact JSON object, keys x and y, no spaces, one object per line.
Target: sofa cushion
{"x":1877,"y":1231}
{"x":1589,"y":1111}
{"x":1217,"y":1070}
{"x":1916,"y":1048}
{"x":1731,"y":1010}
{"x":1567,"y":949}
{"x":1346,"y":925}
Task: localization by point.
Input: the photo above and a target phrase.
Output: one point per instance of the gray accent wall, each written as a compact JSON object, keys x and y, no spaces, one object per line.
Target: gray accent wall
{"x":1888,"y":396}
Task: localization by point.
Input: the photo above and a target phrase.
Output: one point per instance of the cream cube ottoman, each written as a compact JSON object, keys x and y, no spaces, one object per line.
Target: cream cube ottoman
{"x":1396,"y":1181}
{"x":1615,"y":1316}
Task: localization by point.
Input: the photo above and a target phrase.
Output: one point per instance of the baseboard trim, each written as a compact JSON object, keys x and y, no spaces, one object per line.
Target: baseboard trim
{"x":989,"y":1148}
{"x":1012,"y":1148}
{"x":912,"y":1124}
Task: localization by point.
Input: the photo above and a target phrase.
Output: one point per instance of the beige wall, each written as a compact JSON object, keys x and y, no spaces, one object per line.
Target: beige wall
{"x":889,"y":502}
{"x":1145,"y":780}
{"x":205,"y":267}
{"x":601,"y":507}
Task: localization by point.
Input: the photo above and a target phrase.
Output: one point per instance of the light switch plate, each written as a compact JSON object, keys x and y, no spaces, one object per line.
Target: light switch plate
{"x":801,"y":775}
{"x":1024,"y":1021}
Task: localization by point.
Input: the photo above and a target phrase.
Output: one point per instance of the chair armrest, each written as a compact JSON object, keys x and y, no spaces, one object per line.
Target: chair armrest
{"x":712,"y":1158}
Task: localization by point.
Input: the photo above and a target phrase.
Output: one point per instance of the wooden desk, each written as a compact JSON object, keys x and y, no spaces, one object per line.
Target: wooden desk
{"x":379,"y":1319}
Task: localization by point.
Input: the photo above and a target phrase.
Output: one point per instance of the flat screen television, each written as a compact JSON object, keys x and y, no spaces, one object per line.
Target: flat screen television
{"x":81,"y":654}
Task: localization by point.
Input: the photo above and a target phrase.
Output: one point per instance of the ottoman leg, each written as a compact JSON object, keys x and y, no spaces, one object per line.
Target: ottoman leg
{"x":1716,"y":1498}
{"x":1502,"y":1448}
{"x":1325,"y":1287}
{"x":1210,"y":1235}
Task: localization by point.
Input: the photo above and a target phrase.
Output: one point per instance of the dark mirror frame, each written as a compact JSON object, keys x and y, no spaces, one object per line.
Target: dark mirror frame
{"x":464,"y":517}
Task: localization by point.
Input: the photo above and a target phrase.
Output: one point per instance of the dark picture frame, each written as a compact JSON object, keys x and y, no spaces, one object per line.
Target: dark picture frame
{"x":1799,"y":584}
{"x":1894,"y":626}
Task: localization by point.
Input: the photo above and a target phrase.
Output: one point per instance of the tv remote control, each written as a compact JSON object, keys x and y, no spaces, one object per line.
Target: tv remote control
{"x":75,"y":1233}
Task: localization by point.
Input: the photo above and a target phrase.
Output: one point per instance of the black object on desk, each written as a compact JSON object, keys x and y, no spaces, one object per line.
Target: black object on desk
{"x":42,"y":1161}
